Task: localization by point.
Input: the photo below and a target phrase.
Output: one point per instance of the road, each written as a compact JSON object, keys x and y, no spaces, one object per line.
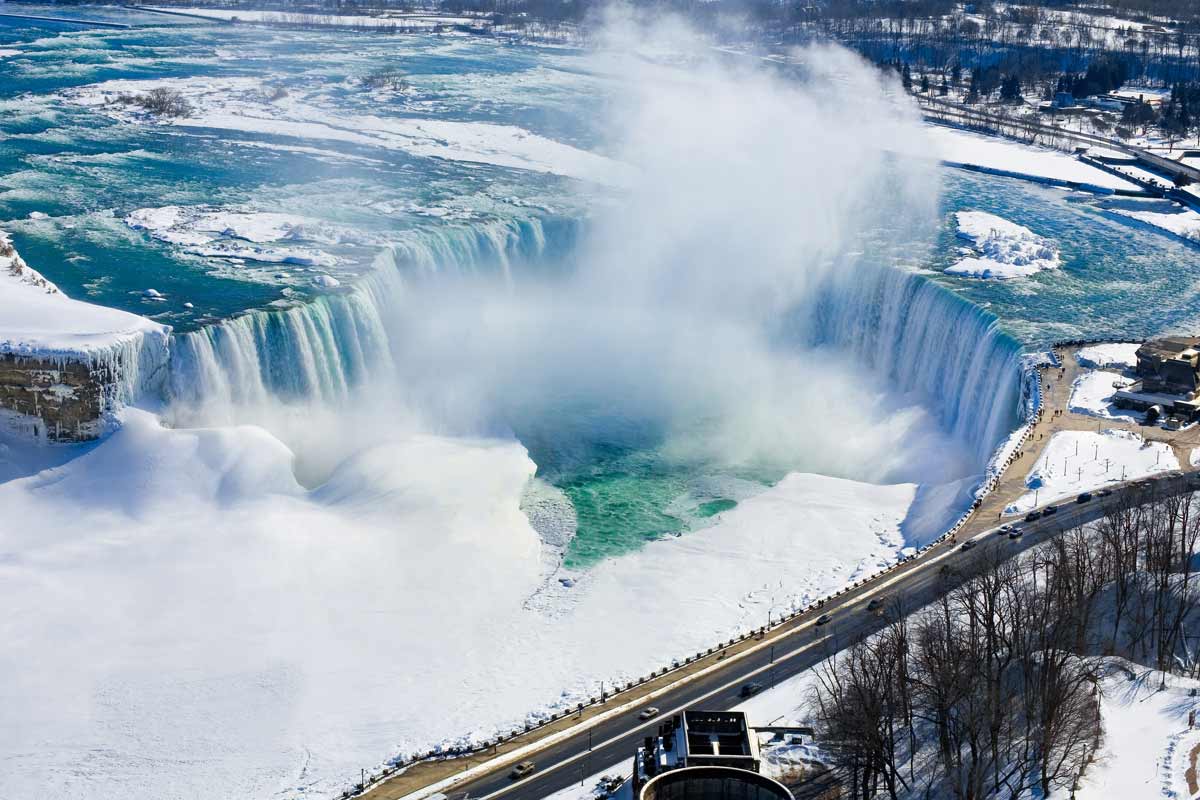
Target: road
{"x":604,"y":737}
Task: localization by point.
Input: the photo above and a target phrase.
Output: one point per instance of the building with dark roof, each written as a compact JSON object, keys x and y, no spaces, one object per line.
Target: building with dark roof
{"x":697,"y":739}
{"x":1168,"y":372}
{"x":1170,"y":366}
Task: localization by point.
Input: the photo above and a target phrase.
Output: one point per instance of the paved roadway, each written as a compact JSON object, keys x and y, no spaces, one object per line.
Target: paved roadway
{"x":613,"y":742}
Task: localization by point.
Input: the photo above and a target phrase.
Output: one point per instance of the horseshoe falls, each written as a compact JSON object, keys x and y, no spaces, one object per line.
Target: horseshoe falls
{"x":918,"y":337}
{"x":469,"y":378}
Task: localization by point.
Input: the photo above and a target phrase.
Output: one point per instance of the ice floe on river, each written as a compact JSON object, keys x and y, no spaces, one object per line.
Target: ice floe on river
{"x":247,"y":105}
{"x":1002,"y":249}
{"x":1165,"y":215}
{"x":231,"y":234}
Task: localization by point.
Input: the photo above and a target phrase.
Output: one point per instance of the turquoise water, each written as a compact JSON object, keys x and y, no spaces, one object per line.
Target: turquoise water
{"x":86,"y":170}
{"x":1118,"y":279}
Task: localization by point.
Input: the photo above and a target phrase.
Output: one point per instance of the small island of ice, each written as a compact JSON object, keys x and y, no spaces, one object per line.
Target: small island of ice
{"x":1003,"y":249}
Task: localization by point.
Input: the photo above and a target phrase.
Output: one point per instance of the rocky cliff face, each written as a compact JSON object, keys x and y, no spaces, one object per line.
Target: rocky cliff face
{"x":56,"y":402}
{"x":66,"y":366}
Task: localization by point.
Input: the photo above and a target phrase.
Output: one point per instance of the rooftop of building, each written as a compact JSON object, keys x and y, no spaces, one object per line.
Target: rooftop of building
{"x":1169,"y":347}
{"x":717,"y":733}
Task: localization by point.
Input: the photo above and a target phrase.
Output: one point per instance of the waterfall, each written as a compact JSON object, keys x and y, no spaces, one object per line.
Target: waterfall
{"x":925,"y":339}
{"x":318,"y":350}
{"x":322,"y":349}
{"x":906,"y":329}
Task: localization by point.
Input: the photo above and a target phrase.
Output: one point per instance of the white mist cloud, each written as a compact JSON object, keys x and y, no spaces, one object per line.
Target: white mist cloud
{"x":752,"y":185}
{"x":751,"y":188}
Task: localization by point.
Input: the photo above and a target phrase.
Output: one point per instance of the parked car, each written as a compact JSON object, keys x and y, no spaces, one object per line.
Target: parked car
{"x":967,"y":545}
{"x":521,"y":770}
{"x":1104,"y":493}
{"x":751,"y":689}
{"x":876,"y":604}
{"x":1016,"y":533}
{"x":821,"y":620}
{"x":649,"y":712}
{"x":1084,"y":498}
{"x":1032,"y":515}
{"x":1048,"y":510}
{"x":1005,"y":528}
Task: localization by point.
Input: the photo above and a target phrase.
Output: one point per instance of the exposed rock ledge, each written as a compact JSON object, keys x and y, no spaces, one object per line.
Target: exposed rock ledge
{"x":67,"y":367}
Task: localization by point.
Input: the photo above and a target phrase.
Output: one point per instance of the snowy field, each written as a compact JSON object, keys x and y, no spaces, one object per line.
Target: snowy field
{"x":1092,"y":394}
{"x":1079,"y":461}
{"x":993,"y":152}
{"x":1003,"y":249}
{"x":1118,"y":355}
{"x":1147,"y":742}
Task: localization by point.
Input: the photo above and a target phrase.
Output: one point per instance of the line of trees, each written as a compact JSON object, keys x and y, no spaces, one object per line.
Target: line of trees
{"x":992,"y":690}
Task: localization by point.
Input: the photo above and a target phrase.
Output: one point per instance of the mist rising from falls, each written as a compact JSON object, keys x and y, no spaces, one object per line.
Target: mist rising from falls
{"x":736,"y":306}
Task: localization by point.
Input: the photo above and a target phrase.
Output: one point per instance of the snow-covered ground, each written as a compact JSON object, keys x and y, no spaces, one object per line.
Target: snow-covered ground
{"x":1116,"y":355}
{"x":1092,"y":394}
{"x":36,"y":319}
{"x":240,"y":104}
{"x":1173,"y":218}
{"x":1079,"y":461}
{"x":273,"y":668}
{"x":1003,"y":249}
{"x":1147,"y":742}
{"x":993,"y":152}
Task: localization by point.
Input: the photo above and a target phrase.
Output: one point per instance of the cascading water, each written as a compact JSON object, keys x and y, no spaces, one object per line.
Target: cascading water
{"x":926,"y":339}
{"x":322,"y":349}
{"x":921,"y":338}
